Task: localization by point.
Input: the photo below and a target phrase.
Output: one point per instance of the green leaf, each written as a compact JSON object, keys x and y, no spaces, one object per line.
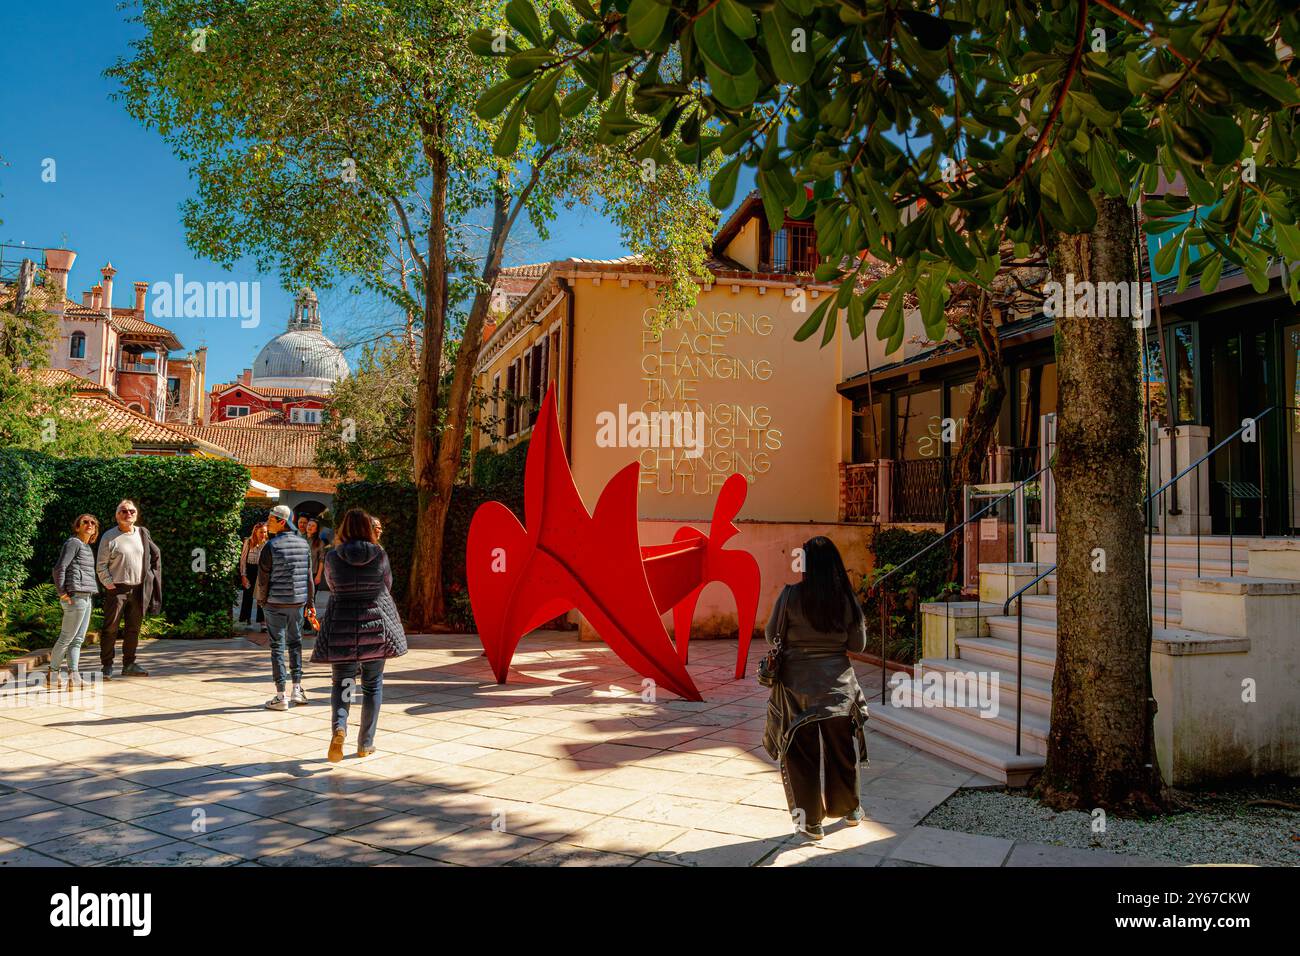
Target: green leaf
{"x":576,"y":102}
{"x":735,"y":92}
{"x":890,"y":327}
{"x":772,"y":204}
{"x":497,"y":98}
{"x":542,"y":94}
{"x":930,"y":31}
{"x":1210,"y":274}
{"x":523,"y":17}
{"x":547,"y":124}
{"x":722,"y":188}
{"x":507,"y":140}
{"x":813,"y":322}
{"x":779,"y":37}
{"x":1167,"y":255}
{"x":738,"y":19}
{"x":955,"y":246}
{"x":721,"y":47}
{"x":645,"y":21}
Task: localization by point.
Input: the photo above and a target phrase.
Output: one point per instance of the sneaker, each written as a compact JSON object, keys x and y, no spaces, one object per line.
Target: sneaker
{"x":854,"y":818}
{"x":134,"y":670}
{"x":297,"y":697}
{"x":813,"y":832}
{"x":336,"y":746}
{"x":277,"y":702}
{"x":107,"y":674}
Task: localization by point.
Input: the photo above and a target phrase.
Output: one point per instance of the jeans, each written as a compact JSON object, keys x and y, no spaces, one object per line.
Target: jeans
{"x":285,"y":626}
{"x":76,"y":618}
{"x":345,"y":688}
{"x":246,"y":604}
{"x":123,"y":610}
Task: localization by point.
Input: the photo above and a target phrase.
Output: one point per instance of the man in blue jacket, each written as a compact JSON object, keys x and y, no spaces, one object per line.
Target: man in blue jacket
{"x":284,"y":591}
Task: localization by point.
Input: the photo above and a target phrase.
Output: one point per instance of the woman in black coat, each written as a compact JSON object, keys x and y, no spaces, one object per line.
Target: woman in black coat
{"x":359,"y":630}
{"x":817,"y":713}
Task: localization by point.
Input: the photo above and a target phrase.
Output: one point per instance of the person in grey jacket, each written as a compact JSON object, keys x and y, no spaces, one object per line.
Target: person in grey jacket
{"x":284,"y":591}
{"x":817,"y":714}
{"x":129,"y":566}
{"x":74,"y":579}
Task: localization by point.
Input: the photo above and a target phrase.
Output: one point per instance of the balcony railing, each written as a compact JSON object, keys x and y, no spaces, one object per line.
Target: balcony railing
{"x":861,"y":502}
{"x":147,"y":367}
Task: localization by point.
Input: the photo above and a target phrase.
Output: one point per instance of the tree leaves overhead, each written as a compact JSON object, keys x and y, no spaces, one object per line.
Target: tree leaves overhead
{"x":934,"y":137}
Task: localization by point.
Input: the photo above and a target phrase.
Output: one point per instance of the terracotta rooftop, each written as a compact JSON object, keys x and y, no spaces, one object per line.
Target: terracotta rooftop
{"x":141,"y":430}
{"x":53,"y":377}
{"x":267,"y":416}
{"x":275,"y":445}
{"x":260,"y":390}
{"x":131,"y":324}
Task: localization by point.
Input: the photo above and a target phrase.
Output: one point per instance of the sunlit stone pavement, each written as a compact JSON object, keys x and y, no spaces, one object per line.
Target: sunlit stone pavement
{"x":565,"y":765}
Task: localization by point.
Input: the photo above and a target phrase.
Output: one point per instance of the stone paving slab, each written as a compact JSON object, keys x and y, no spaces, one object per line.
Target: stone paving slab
{"x":565,"y":765}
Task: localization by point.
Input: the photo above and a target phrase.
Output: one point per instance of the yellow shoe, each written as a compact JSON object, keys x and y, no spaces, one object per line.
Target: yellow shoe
{"x":336,"y":746}
{"x":364,"y":751}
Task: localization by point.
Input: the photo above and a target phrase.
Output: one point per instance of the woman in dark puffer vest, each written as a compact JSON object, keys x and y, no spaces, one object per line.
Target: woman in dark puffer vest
{"x":359,"y":630}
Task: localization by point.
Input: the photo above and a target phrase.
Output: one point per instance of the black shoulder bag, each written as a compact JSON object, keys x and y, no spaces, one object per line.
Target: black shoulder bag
{"x":769,"y":668}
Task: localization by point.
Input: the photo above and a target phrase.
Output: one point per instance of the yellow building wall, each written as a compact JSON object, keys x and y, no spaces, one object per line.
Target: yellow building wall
{"x":769,"y":403}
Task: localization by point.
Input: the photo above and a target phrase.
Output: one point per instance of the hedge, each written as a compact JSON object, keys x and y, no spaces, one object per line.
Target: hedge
{"x":185,"y":501}
{"x":396,"y":506}
{"x":920,"y":581}
{"x":24,"y":493}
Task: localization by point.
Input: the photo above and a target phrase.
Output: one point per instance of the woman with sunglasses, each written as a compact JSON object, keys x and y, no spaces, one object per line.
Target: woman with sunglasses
{"x":74,"y":578}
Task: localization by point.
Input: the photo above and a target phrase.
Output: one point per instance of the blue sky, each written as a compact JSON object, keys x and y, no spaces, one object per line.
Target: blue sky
{"x":118,"y":189}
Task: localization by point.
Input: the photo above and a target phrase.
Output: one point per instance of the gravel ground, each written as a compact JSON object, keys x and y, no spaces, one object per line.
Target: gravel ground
{"x":1217,"y":827}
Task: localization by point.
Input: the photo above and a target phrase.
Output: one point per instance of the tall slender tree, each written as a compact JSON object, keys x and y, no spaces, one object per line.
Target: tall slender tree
{"x":317,"y":130}
{"x":932,"y":134}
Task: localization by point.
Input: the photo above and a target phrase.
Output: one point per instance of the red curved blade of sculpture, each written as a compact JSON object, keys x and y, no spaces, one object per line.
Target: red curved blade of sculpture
{"x":566,"y":558}
{"x":736,"y":569}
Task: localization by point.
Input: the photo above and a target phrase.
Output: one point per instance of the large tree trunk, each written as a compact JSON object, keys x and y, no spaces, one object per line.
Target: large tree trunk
{"x":1100,"y":750}
{"x":437,"y":465}
{"x":424,"y":594}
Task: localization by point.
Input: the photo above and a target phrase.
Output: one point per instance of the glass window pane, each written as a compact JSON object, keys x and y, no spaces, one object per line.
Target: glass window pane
{"x":918,"y":425}
{"x":866,"y":431}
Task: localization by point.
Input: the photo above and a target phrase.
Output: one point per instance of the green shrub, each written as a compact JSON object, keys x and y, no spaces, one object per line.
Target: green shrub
{"x":920,"y":580}
{"x":196,"y":625}
{"x":31,"y":616}
{"x":190,"y":505}
{"x":24,"y":494}
{"x":396,"y":506}
{"x":501,"y":470}
{"x":253,"y":511}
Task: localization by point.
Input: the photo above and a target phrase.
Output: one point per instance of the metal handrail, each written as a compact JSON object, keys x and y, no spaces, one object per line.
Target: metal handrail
{"x":875,"y":586}
{"x":1020,"y":614}
{"x":1201,"y":460}
{"x":937,"y":541}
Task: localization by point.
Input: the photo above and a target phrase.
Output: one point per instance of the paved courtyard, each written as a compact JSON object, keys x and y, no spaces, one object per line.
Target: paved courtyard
{"x":563,"y":765}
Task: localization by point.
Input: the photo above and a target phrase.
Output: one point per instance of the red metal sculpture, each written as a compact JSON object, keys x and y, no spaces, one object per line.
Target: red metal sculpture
{"x":566,"y":558}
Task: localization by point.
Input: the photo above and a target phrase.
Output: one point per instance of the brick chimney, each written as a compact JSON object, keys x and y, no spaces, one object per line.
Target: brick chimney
{"x":59,"y":263}
{"x":141,"y":290}
{"x":108,"y":272}
{"x":246,"y":377}
{"x":88,"y":299}
{"x":96,"y":296}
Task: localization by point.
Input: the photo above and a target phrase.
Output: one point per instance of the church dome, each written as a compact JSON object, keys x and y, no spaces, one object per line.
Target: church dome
{"x":300,"y":357}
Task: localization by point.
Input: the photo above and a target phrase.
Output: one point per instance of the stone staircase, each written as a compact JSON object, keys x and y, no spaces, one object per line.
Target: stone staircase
{"x":976,"y":638}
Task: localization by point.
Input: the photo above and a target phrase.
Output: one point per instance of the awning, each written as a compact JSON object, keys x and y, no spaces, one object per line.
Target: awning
{"x":265,"y":491}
